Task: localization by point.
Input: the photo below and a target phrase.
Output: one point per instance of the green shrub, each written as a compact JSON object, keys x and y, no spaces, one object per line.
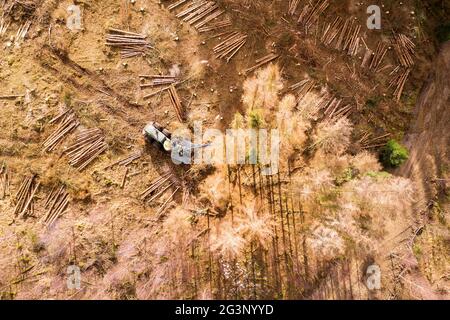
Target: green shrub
{"x":394,"y":154}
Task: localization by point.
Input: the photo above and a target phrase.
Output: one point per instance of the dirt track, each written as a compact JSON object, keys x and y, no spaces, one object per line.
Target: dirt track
{"x":429,"y":144}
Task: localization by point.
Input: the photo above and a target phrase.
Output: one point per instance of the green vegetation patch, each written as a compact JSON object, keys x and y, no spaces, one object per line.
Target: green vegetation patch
{"x":394,"y":154}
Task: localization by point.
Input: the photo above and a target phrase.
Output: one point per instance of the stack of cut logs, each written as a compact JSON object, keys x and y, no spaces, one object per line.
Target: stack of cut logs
{"x":204,"y":16}
{"x":157,"y":80}
{"x":89,"y":144}
{"x":378,"y":55}
{"x":55,"y":204}
{"x":404,"y":48}
{"x":400,"y":76}
{"x":344,"y":34}
{"x":302,"y":88}
{"x":331,"y":31}
{"x":335,"y":111}
{"x":22,"y":32}
{"x":293,"y":5}
{"x":367,"y":143}
{"x":228,"y":48}
{"x":4,"y":181}
{"x":310,"y":14}
{"x":68,"y":123}
{"x":131,"y":44}
{"x":127,"y":160}
{"x":261,"y":62}
{"x":24,"y":198}
{"x":199,"y":13}
{"x":349,"y":38}
{"x":176,"y":103}
{"x":125,"y":163}
{"x":216,"y":25}
{"x":157,"y":189}
{"x":4,"y":25}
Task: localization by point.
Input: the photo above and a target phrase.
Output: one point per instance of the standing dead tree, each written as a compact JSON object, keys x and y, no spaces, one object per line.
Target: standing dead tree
{"x":88,"y":145}
{"x":68,"y":123}
{"x":56,"y":204}
{"x":24,"y":199}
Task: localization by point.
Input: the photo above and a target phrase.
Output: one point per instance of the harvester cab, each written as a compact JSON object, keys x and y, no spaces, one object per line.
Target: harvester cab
{"x":179,"y":148}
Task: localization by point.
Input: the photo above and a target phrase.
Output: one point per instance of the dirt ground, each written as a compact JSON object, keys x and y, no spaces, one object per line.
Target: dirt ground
{"x":108,"y":229}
